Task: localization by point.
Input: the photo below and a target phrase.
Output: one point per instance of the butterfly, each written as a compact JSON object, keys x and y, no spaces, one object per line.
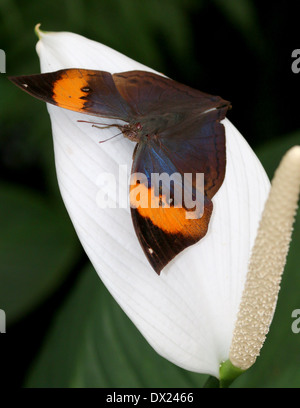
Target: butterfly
{"x":176,"y":129}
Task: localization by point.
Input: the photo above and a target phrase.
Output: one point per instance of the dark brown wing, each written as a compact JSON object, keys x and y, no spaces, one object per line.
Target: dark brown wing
{"x":149,"y":93}
{"x":184,"y":121}
{"x":197,"y":145}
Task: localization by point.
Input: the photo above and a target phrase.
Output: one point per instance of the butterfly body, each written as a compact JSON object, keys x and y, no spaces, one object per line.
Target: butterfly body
{"x":177,"y":132}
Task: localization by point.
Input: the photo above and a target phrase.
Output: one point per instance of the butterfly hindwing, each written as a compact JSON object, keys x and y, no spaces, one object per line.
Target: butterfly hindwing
{"x":197,"y":145}
{"x":160,"y":216}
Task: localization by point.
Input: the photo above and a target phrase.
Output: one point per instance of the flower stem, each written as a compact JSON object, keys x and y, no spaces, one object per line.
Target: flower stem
{"x":228,"y":373}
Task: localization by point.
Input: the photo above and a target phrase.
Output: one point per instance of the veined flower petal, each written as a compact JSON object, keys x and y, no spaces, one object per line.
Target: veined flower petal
{"x":188,"y":313}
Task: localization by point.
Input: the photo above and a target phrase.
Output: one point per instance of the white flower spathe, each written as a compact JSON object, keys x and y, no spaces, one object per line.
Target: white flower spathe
{"x":188,"y":313}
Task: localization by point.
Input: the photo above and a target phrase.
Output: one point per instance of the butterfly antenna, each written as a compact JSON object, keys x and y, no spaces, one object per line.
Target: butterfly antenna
{"x":112,"y":137}
{"x":106,"y":126}
{"x":95,"y":124}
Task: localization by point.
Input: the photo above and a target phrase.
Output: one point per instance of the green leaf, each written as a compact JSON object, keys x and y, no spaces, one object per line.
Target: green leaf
{"x":212,"y":382}
{"x":92,"y":343}
{"x":38,"y":247}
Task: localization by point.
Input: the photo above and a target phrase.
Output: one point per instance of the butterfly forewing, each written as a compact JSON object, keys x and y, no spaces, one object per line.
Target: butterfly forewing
{"x":80,"y":90}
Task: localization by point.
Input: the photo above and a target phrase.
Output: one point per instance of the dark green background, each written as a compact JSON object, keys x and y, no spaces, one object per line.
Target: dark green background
{"x":64,"y":329}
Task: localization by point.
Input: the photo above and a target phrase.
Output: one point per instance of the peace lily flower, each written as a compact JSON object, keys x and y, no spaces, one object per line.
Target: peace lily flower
{"x":188,"y":313}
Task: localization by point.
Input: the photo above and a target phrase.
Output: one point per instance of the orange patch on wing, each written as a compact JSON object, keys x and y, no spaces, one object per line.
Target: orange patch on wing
{"x":68,"y":90}
{"x":170,"y":219}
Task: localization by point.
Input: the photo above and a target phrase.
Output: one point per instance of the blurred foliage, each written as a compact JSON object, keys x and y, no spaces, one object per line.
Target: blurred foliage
{"x":37,"y":249}
{"x":100,"y":347}
{"x":76,"y":335}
